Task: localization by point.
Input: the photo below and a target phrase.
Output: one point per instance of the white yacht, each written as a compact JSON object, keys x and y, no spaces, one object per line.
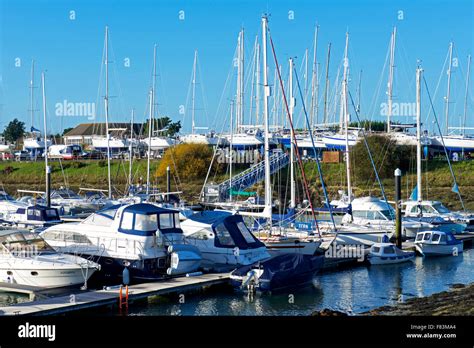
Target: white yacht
{"x":143,"y":237}
{"x":223,"y":239}
{"x":26,"y":259}
{"x":9,"y":205}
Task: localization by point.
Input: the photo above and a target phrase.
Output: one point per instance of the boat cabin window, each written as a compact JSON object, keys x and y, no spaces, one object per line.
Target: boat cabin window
{"x":223,"y":235}
{"x":440,"y":208}
{"x":127,"y":221}
{"x":166,"y":221}
{"x":427,"y":236}
{"x":34,"y":212}
{"x":25,"y":243}
{"x":375,"y":249}
{"x":245,"y":232}
{"x":428,"y":209}
{"x":419,"y":236}
{"x":389,"y":250}
{"x":435,"y":237}
{"x":443,"y":238}
{"x":52,"y":214}
{"x":146,"y":222}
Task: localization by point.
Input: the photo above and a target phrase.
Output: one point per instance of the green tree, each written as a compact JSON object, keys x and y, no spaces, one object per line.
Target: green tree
{"x":164,"y":126}
{"x":14,"y":131}
{"x":66,"y":130}
{"x":386,"y":155}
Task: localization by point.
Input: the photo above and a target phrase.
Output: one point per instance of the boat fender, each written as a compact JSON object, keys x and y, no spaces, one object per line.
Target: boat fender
{"x":126,"y":276}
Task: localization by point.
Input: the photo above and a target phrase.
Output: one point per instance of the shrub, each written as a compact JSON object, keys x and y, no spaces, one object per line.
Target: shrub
{"x":386,"y":155}
{"x":191,"y":161}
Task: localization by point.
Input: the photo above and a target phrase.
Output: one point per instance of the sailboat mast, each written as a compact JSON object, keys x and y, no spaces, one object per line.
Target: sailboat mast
{"x":450,"y":65}
{"x":106,"y":104}
{"x":242,"y":67}
{"x":314,"y":81}
{"x":150,"y":126}
{"x":266,"y":89}
{"x":257,"y":79}
{"x":47,"y":169}
{"x":418,"y":133}
{"x":130,"y":159}
{"x":231,"y":148}
{"x":32,"y":86}
{"x":292,"y":141}
{"x":467,"y":91}
{"x":194,"y":91}
{"x":390,"y":78}
{"x":345,"y":111}
{"x":327,"y":85}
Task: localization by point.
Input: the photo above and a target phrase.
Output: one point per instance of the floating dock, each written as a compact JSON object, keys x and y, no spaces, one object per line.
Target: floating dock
{"x":96,"y":298}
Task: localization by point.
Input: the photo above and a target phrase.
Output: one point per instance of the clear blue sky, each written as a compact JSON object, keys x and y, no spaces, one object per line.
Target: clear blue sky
{"x":71,"y":50}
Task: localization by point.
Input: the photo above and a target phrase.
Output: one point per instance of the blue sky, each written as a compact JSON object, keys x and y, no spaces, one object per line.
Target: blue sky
{"x":71,"y":51}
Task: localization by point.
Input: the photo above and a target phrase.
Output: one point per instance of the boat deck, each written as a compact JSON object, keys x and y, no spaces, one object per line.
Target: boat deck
{"x":96,"y":298}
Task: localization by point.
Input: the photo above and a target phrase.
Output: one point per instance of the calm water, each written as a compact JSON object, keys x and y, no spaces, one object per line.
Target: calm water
{"x":352,"y":290}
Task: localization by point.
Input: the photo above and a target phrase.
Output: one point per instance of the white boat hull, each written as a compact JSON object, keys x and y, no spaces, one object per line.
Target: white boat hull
{"x":438,"y":249}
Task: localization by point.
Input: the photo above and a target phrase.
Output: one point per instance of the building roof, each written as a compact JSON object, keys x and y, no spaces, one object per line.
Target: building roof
{"x":116,"y":129}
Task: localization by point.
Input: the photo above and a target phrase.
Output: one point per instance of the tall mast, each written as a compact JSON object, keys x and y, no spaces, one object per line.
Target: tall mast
{"x":32,"y":86}
{"x":327,"y":85}
{"x":292,"y":142}
{"x":418,"y":133}
{"x":242,"y":68}
{"x":257,"y":79}
{"x":106,"y":104}
{"x":359,"y":92}
{"x":390,"y":78}
{"x":467,"y":91}
{"x":450,"y":65}
{"x":152,"y":114}
{"x":231,"y":148}
{"x":47,"y":169}
{"x":314,"y":81}
{"x":130,"y":159}
{"x":266,"y":88}
{"x":150,"y":126}
{"x":194,"y":91}
{"x":346,"y":118}
{"x":306,"y":77}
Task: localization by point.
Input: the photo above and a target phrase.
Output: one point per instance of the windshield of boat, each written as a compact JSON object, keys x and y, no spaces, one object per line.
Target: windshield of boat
{"x":440,"y":208}
{"x":389,"y":250}
{"x":65,"y":194}
{"x":245,"y":232}
{"x":223,"y":235}
{"x":25,"y":244}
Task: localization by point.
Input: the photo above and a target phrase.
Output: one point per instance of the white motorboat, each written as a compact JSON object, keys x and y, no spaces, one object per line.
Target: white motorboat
{"x":460,"y":221}
{"x":26,"y":259}
{"x":9,"y":205}
{"x":143,"y":237}
{"x":438,"y":243}
{"x":387,"y":253}
{"x":33,"y":216}
{"x":223,"y":239}
{"x":158,"y":143}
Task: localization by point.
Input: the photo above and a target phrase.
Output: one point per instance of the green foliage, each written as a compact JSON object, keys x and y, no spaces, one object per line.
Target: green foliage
{"x":375,"y":126}
{"x":14,"y":131}
{"x":66,"y":130}
{"x":191,"y":161}
{"x":165,"y":124}
{"x":386,"y":155}
{"x":102,"y":163}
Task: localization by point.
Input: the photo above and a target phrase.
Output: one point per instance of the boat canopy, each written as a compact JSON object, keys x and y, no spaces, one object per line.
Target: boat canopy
{"x":145,"y":219}
{"x":39,"y":213}
{"x":230,"y":230}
